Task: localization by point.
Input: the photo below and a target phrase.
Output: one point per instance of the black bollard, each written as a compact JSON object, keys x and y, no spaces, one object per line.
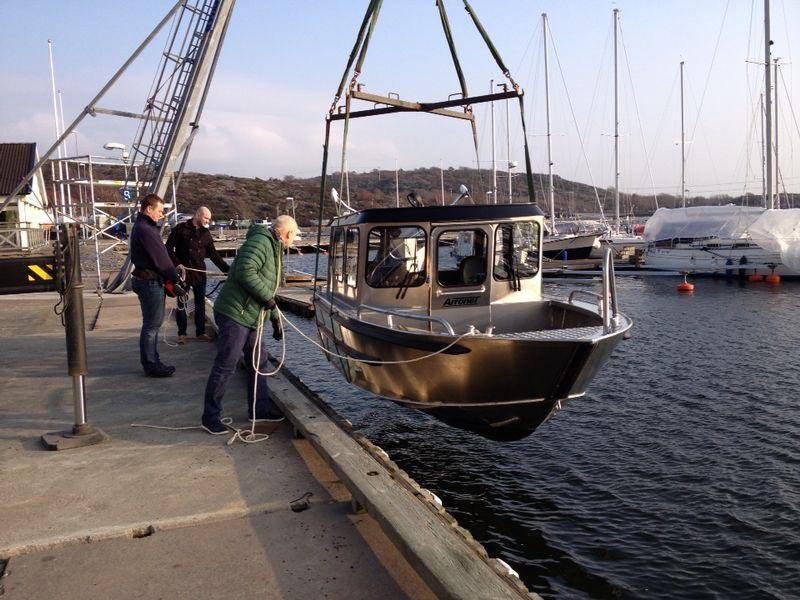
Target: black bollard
{"x":70,"y":285}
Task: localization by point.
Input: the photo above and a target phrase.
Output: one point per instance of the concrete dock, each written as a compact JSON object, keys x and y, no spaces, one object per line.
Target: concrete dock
{"x":158,"y":513}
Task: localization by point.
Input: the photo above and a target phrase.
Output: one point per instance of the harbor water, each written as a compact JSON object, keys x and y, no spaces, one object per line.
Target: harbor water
{"x":678,"y":473}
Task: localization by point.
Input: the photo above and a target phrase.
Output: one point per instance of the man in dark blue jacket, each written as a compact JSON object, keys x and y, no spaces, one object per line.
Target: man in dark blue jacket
{"x":152,"y":269}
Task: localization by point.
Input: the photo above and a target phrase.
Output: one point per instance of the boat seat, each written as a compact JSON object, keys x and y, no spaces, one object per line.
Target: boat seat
{"x":472,"y":270}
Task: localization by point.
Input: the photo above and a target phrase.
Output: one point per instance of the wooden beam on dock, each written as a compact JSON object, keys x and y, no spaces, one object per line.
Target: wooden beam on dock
{"x":446,"y":556}
{"x":296,"y":299}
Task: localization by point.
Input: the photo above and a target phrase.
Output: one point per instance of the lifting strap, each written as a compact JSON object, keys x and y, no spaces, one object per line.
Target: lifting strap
{"x":359,"y":39}
{"x":515,"y":85}
{"x":448,"y":34}
{"x":322,"y":200}
{"x":490,"y":45}
{"x":372,"y":12}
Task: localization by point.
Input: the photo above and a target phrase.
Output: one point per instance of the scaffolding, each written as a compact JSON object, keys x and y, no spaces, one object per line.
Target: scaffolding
{"x":163,"y":139}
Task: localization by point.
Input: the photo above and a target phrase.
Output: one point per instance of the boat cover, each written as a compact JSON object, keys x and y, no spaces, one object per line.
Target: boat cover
{"x":774,"y":230}
{"x":778,"y":230}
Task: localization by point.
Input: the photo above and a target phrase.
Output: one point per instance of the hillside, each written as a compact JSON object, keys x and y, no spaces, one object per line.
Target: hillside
{"x":231,"y":197}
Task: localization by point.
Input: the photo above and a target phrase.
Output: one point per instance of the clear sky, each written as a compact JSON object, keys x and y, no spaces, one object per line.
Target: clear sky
{"x":283,"y":59}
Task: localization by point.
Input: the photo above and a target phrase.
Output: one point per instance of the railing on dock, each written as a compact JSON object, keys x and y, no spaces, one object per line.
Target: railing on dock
{"x":20,"y":238}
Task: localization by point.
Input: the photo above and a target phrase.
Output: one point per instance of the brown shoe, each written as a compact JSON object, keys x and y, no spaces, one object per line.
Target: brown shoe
{"x":204,"y":338}
{"x":181,"y":340}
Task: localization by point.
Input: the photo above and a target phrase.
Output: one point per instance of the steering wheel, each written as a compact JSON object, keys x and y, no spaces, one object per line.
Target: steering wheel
{"x":415,"y":200}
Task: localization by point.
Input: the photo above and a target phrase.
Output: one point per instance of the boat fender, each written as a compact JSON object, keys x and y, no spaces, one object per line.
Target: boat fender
{"x":432,"y":497}
{"x":507,"y":567}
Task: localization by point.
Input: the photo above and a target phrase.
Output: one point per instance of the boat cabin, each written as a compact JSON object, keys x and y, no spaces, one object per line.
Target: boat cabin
{"x":443,"y":268}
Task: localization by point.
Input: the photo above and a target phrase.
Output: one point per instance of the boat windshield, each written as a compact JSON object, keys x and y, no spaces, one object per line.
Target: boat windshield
{"x":516,"y":250}
{"x":396,"y":257}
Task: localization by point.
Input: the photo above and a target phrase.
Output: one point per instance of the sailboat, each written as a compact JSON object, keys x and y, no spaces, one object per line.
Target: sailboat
{"x":716,"y":240}
{"x":558,"y":245}
{"x":615,"y":237}
{"x":441,"y":308}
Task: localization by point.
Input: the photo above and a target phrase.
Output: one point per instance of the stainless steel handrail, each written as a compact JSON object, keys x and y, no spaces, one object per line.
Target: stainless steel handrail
{"x":395,"y":313}
{"x":609,"y":305}
{"x":607,"y":301}
{"x":480,"y":290}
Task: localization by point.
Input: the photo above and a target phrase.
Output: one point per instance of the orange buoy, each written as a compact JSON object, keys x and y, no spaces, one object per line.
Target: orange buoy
{"x":755,"y":277}
{"x":685,"y":287}
{"x":773,"y":279}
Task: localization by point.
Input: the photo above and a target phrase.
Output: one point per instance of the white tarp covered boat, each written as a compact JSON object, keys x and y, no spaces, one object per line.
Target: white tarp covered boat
{"x":708,"y":240}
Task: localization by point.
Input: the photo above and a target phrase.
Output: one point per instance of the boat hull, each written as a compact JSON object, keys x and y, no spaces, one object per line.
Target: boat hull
{"x":481,"y":383}
{"x":570,"y":246}
{"x":699,"y":261}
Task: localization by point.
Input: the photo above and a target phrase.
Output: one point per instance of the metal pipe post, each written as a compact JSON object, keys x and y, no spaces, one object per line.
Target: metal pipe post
{"x":71,"y":287}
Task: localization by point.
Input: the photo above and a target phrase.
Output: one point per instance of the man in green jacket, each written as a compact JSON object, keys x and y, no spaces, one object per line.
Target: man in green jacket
{"x":250,"y":288}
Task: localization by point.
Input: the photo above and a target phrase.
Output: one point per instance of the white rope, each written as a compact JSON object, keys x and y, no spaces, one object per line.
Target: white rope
{"x":225,"y":421}
{"x":181,"y":303}
{"x":252,"y":437}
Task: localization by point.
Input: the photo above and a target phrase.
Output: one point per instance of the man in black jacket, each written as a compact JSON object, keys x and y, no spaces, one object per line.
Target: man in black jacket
{"x":189,"y":244}
{"x":152,"y":269}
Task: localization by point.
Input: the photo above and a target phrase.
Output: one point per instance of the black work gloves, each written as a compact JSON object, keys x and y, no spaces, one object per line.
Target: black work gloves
{"x":277,"y":328}
{"x":269,"y":304}
{"x":180,"y":287}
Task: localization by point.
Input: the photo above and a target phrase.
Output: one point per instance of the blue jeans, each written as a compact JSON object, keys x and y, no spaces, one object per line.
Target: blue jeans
{"x":199,"y":291}
{"x":233,"y":339}
{"x":151,"y":299}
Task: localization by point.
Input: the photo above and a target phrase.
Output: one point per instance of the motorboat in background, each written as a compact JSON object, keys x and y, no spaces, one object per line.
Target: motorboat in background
{"x":569,"y":246}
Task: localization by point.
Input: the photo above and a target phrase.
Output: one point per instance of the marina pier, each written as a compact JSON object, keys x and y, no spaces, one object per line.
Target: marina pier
{"x":179,"y":513}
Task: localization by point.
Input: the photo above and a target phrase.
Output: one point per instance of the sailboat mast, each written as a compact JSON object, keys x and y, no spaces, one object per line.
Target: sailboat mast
{"x":683,"y":148}
{"x":768,"y":105}
{"x":777,"y":202}
{"x":494,"y":157}
{"x":763,"y":156}
{"x":616,"y":126}
{"x":550,"y":191}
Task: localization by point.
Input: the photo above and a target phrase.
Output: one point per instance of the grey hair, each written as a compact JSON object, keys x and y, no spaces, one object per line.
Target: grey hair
{"x":285,"y":223}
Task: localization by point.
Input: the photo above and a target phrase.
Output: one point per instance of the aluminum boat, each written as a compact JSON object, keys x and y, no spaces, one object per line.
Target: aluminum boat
{"x":440,"y":309}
